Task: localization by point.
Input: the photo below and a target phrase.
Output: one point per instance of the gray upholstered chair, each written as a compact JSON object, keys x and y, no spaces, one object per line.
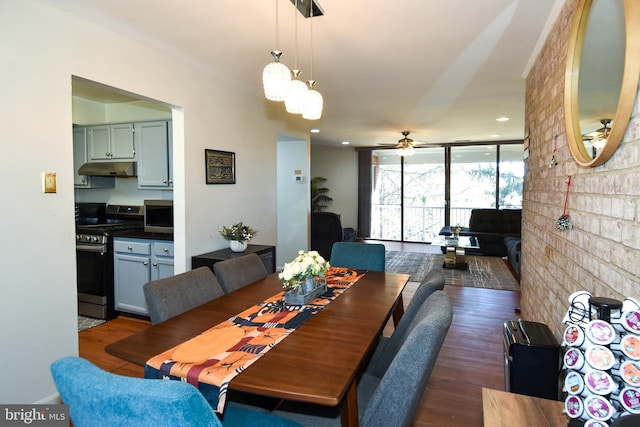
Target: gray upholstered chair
{"x":100,"y":398}
{"x":393,"y":399}
{"x":173,"y":295}
{"x":388,"y":346}
{"x":235,"y":273}
{"x":366,"y":256}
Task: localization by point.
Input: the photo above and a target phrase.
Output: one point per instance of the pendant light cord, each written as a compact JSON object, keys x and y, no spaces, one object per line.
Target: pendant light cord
{"x":277,"y":29}
{"x":311,"y":32}
{"x":295,"y":22}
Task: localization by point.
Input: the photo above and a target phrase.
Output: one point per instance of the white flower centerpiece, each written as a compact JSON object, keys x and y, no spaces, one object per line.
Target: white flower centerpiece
{"x":304,"y":277}
{"x":238,"y":236}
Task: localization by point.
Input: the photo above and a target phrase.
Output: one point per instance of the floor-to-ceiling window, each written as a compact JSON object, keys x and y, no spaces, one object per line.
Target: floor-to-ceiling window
{"x":386,"y":196}
{"x":424,"y":194}
{"x":413,"y":197}
{"x":472,"y":181}
{"x":511,"y":177}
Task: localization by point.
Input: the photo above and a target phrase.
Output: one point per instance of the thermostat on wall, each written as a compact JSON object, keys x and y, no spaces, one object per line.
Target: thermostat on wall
{"x":299,"y":178}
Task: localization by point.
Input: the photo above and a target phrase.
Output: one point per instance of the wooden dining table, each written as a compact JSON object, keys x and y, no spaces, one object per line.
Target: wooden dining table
{"x":317,"y":364}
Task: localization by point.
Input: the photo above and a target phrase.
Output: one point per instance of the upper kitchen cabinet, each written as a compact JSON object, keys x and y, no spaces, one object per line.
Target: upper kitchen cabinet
{"x":80,"y":157}
{"x":111,"y":142}
{"x":153,"y":140}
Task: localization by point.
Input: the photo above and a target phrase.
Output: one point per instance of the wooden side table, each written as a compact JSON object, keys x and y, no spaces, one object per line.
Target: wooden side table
{"x":265,"y":252}
{"x":502,"y":409}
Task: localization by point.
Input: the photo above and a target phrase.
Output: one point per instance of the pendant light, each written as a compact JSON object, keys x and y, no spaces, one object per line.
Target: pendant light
{"x":312,"y":109}
{"x":294,"y":101}
{"x":276,"y":76}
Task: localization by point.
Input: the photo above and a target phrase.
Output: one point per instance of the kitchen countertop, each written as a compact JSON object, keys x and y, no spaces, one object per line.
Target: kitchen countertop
{"x":140,"y":234}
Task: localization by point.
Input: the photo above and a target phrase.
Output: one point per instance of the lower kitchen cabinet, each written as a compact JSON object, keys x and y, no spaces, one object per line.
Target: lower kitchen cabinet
{"x":136,"y":262}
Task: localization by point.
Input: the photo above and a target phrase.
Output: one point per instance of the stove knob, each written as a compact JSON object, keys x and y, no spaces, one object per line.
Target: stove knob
{"x":94,"y":238}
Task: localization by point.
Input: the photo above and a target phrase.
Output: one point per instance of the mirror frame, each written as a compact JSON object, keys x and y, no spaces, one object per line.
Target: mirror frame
{"x":628,"y":92}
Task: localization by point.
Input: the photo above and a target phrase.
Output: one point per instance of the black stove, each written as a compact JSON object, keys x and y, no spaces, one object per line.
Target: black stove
{"x":95,"y":225}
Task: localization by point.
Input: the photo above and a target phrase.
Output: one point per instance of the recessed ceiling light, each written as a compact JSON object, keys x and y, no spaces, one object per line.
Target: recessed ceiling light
{"x":495,"y":135}
{"x":502,"y":119}
{"x":315,"y":130}
{"x":345,"y":143}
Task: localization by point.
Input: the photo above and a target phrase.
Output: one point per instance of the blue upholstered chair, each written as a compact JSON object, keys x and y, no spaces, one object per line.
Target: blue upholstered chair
{"x":173,"y":295}
{"x":388,"y":346}
{"x":393,"y":399}
{"x":235,"y":273}
{"x":366,"y":256}
{"x":99,"y":398}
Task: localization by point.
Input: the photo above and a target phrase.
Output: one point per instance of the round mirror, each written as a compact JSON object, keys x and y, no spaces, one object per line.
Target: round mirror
{"x":603,"y":67}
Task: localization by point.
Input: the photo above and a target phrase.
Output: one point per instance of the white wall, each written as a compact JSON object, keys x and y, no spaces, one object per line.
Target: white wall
{"x":42,"y":47}
{"x":340,"y":166}
{"x":294,"y":199}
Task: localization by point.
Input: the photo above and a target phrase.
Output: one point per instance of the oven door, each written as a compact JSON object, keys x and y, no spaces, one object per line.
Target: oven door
{"x":94,"y":267}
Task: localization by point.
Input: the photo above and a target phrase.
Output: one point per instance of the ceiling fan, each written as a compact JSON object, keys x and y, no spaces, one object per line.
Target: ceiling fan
{"x":599,"y":137}
{"x":405,"y":146}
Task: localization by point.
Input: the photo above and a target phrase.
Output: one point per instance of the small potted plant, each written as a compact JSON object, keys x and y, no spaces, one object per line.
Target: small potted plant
{"x":304,"y":277}
{"x":238,"y":236}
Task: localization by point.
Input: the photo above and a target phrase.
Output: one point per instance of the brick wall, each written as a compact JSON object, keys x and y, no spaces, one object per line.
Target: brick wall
{"x":602,"y":252}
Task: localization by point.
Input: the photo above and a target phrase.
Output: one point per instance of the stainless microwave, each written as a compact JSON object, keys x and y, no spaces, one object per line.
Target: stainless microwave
{"x":158,"y":216}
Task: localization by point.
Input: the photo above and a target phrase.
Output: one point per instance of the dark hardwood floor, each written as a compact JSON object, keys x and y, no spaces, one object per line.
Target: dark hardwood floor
{"x":471,"y":356}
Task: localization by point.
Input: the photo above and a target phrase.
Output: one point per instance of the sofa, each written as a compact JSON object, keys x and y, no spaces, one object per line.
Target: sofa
{"x":491,"y":227}
{"x":513,"y":252}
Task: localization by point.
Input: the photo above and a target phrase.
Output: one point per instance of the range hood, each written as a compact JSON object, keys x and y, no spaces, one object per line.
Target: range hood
{"x":108,"y":169}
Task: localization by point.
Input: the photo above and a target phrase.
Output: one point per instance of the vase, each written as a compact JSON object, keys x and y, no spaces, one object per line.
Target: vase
{"x":237,"y":246}
{"x":309,"y":284}
{"x":300,"y":296}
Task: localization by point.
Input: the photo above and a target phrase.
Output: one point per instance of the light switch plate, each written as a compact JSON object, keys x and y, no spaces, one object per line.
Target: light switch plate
{"x":49,"y":182}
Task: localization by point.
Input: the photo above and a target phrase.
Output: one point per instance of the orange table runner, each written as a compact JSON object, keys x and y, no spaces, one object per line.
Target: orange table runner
{"x":217,"y":355}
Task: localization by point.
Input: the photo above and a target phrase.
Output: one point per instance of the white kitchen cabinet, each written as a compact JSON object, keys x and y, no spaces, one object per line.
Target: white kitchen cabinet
{"x":162,"y":260}
{"x":111,"y":142}
{"x":80,"y":157}
{"x":137,"y":261}
{"x":153,"y":140}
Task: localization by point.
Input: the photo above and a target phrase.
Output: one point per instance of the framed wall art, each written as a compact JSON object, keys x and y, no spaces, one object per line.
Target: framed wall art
{"x":220,"y":167}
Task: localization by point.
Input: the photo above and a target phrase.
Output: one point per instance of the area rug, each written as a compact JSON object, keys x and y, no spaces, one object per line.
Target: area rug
{"x":484,"y":271}
{"x":88,"y":322}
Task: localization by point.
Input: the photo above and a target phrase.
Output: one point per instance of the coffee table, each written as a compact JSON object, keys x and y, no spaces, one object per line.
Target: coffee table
{"x":454,"y":256}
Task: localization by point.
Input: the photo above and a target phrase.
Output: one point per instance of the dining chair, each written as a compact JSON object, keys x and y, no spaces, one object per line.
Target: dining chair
{"x":234,"y":273}
{"x":174,"y":295}
{"x":100,"y":398}
{"x":366,"y":256}
{"x":393,"y":399}
{"x":387,"y":347}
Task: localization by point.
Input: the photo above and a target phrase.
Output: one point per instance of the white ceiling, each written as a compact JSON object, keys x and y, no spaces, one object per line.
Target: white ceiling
{"x":445,"y":70}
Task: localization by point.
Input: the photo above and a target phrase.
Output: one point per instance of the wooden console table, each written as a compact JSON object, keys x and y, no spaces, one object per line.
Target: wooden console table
{"x":502,"y":409}
{"x":266,"y":253}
